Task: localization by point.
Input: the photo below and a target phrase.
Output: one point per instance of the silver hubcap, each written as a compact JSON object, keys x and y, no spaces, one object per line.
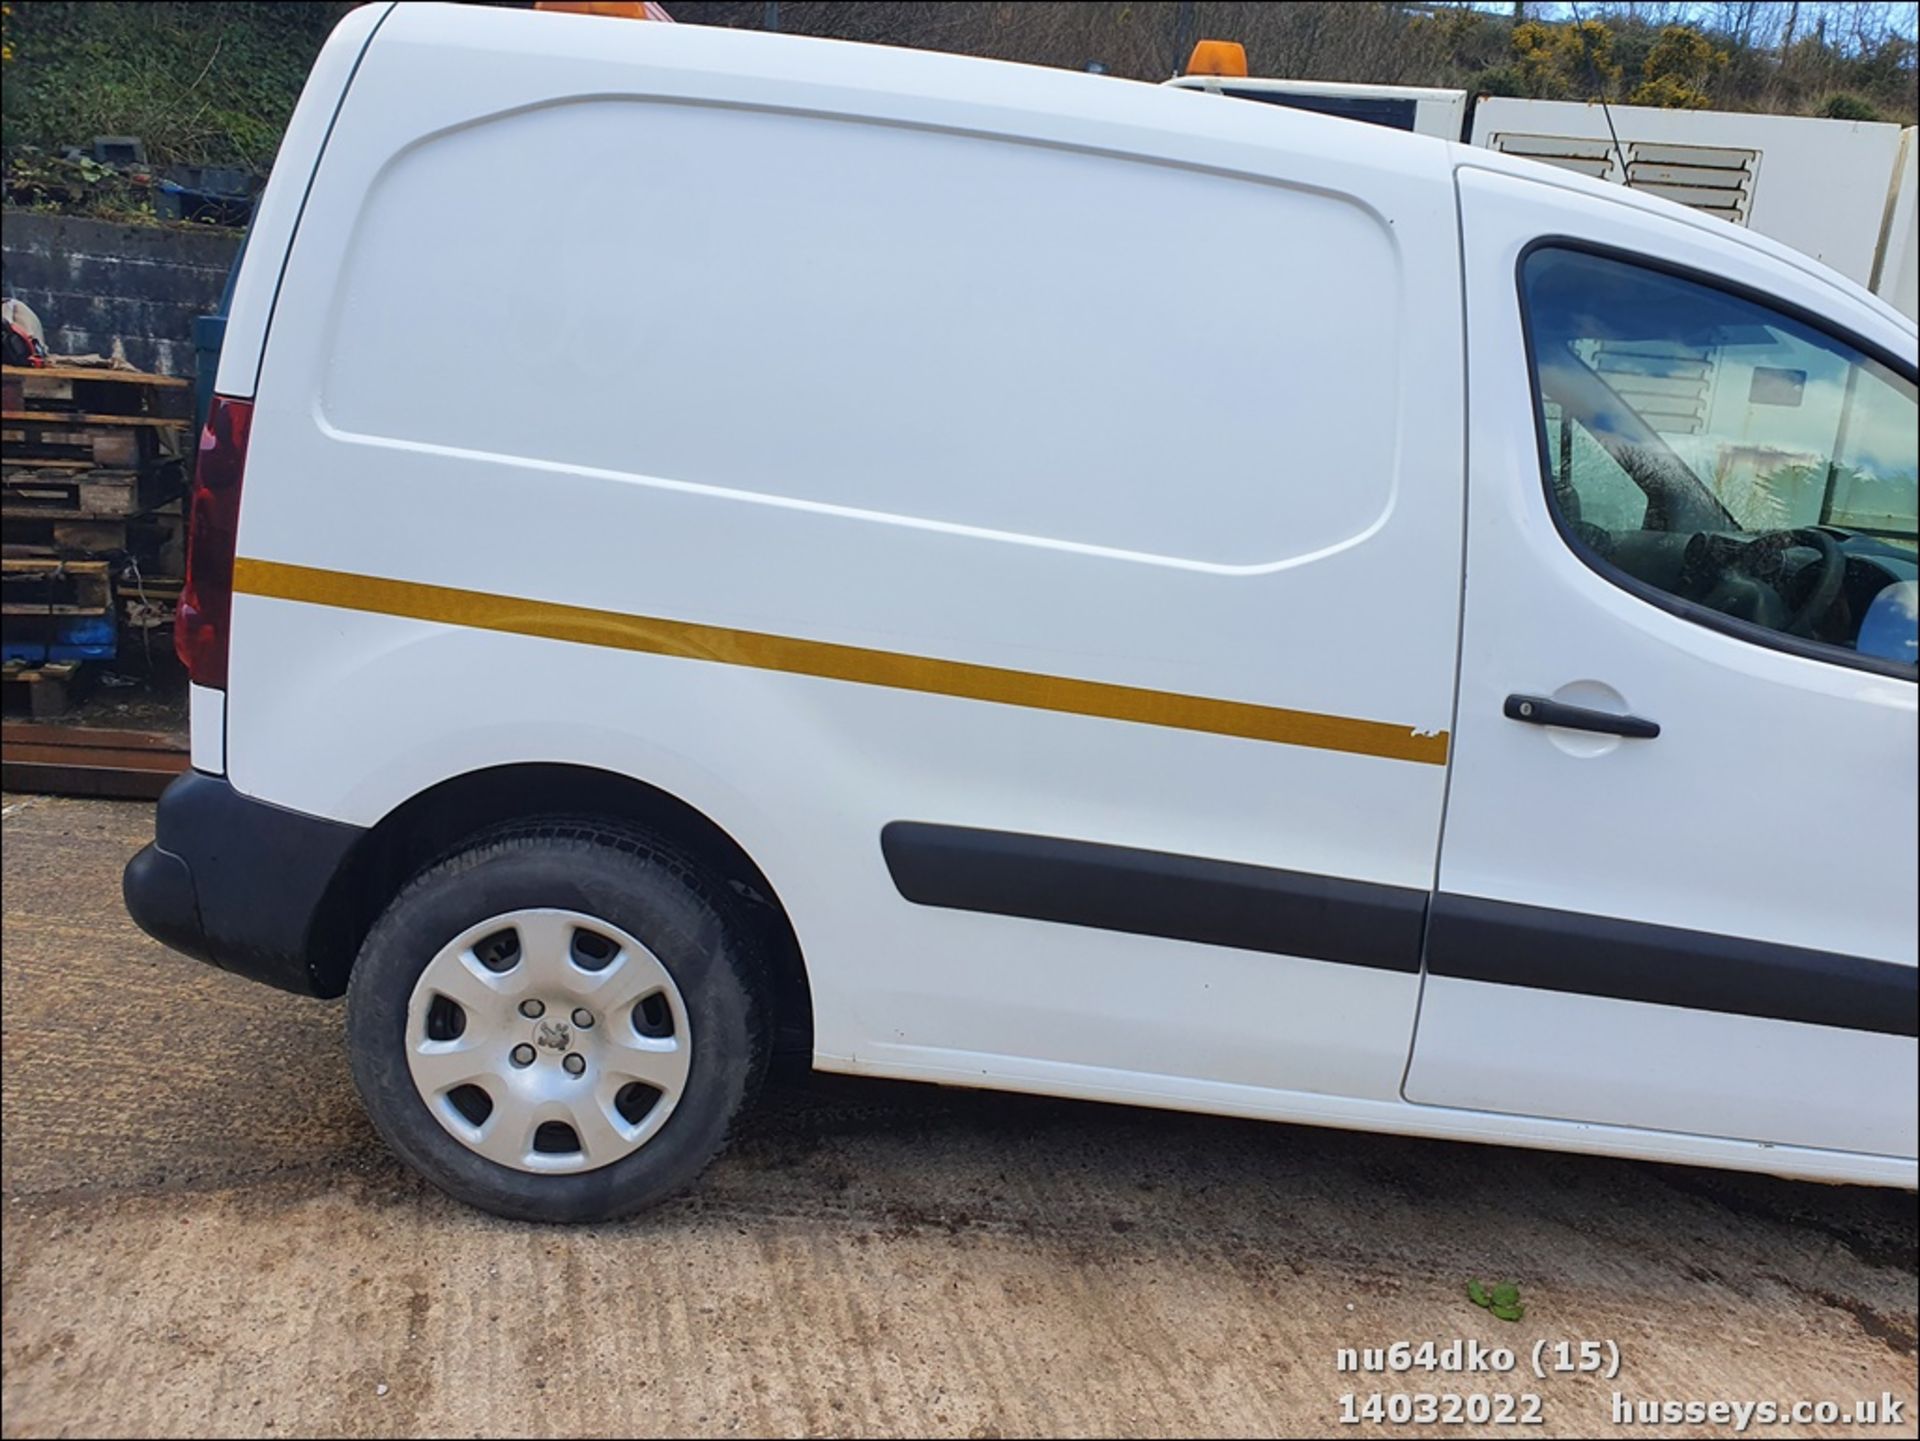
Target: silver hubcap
{"x":548,"y":1041}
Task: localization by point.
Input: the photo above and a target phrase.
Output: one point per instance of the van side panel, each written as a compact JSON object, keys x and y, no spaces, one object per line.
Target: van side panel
{"x":1060,"y":348}
{"x":1006,"y":450}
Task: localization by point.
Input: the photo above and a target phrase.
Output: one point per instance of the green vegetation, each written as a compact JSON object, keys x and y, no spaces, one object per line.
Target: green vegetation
{"x":1850,"y":107}
{"x":1721,"y":57}
{"x":202,"y":82}
{"x":1502,"y":1300}
{"x":1556,"y":60}
{"x":73,"y":184}
{"x":1679,"y":71}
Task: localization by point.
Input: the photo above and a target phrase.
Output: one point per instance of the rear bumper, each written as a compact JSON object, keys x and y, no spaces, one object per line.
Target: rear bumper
{"x":236,"y":882}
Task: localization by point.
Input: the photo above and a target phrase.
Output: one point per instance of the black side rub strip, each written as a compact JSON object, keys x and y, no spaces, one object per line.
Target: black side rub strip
{"x":1513,"y":945}
{"x":1151,"y":893}
{"x":1357,"y":923}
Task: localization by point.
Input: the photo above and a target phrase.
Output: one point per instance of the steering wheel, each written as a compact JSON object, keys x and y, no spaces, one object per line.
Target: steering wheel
{"x":1827,"y":580}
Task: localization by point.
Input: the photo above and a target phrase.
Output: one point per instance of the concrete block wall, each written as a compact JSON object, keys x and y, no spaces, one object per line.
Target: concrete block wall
{"x":93,"y":281}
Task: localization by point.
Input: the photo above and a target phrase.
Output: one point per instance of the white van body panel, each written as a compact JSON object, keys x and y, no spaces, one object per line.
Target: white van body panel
{"x":825,"y":344}
{"x":207,"y":722}
{"x":1110,"y":994}
{"x":695,"y":446}
{"x":1541,"y":621}
{"x":1598,"y":1059}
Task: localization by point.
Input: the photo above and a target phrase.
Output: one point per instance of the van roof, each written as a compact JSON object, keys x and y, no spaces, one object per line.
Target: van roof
{"x":938,"y":89}
{"x":917,"y":86}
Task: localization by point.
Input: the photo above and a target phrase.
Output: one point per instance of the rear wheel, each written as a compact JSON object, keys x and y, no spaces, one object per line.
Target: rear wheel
{"x":560,"y":1022}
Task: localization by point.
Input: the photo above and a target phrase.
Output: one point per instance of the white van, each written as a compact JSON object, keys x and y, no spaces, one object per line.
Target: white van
{"x":713,"y":543}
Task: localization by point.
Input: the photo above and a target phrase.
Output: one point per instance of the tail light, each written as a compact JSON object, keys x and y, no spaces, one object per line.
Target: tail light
{"x":204,"y":620}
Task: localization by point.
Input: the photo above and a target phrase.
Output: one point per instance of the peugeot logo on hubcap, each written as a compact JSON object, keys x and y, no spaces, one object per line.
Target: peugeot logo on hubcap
{"x":554,"y":1035}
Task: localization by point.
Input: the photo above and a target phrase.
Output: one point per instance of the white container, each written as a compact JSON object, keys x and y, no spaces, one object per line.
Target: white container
{"x":1817,"y":185}
{"x":1421,"y":109}
{"x":1896,"y":272}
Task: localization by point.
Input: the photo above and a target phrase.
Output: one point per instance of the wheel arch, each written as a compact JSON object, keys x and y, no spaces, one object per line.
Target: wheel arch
{"x":429,"y":824}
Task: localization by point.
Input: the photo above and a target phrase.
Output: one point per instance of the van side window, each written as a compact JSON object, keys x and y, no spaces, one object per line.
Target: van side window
{"x":1705,"y":449}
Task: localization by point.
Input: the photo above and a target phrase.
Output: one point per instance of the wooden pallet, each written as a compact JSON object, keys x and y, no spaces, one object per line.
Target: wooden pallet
{"x":48,"y":494}
{"x":91,"y":373}
{"x":48,"y":373}
{"x":55,"y":587}
{"x":46,"y":469}
{"x":40,"y":690}
{"x":74,"y":390}
{"x":39,"y":535}
{"x":89,"y":417}
{"x":30,"y":439}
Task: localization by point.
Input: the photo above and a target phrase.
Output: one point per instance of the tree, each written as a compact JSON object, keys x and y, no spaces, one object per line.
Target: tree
{"x":1849,"y":107}
{"x":1678,"y":70}
{"x":1562,"y":61}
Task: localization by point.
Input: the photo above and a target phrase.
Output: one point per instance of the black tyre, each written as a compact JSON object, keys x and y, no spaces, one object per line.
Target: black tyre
{"x":560,"y":1022}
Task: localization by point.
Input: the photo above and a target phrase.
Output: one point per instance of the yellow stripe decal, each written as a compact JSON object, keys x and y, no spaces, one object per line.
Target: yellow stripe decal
{"x":684,"y":640}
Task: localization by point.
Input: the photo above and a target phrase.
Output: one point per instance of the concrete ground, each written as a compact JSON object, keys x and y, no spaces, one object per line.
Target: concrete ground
{"x":202,"y":1236}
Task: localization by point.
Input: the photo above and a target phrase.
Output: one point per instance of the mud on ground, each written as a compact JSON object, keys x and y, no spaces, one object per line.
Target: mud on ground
{"x":203,"y":1236}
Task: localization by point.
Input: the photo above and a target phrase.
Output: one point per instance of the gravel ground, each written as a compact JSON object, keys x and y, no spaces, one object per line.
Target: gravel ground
{"x":203,"y":1236}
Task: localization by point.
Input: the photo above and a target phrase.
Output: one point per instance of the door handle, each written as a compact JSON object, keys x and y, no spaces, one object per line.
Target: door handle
{"x":1535,"y":710}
